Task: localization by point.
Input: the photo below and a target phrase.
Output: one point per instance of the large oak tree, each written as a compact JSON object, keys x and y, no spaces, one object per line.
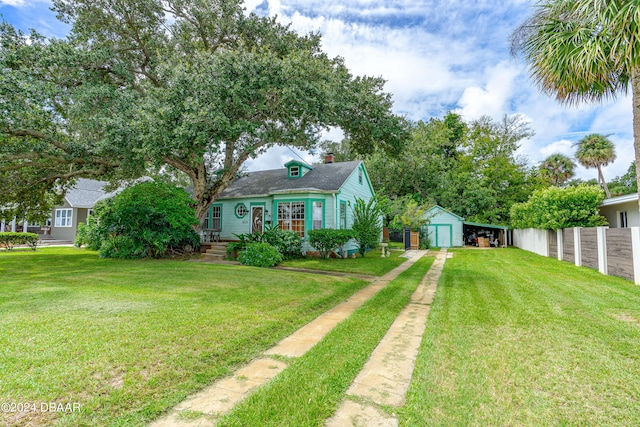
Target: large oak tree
{"x":195,"y":86}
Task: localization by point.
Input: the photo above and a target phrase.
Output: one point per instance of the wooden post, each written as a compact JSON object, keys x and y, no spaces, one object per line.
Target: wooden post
{"x":602,"y":249}
{"x":635,"y":245}
{"x":578,"y":246}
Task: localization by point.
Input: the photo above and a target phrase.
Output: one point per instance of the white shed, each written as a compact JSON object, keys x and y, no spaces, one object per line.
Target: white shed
{"x":445,"y":228}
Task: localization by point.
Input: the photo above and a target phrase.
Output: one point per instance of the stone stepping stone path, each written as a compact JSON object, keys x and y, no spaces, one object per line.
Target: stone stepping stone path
{"x":203,"y":408}
{"x":385,"y":378}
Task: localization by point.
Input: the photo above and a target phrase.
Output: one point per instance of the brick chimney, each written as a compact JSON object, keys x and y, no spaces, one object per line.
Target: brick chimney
{"x":329,"y":158}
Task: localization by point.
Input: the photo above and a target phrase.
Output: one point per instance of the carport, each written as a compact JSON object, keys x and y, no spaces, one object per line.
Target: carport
{"x":496,"y":235}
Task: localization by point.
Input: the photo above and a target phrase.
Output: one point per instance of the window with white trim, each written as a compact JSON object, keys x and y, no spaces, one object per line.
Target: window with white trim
{"x":317,"y":216}
{"x":64,"y":217}
{"x":291,"y":217}
{"x":294,"y":171}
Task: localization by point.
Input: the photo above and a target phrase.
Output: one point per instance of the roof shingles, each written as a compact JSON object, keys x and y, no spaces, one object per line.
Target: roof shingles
{"x":327,"y":177}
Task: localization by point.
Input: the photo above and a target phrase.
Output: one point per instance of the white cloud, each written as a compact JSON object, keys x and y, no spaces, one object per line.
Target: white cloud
{"x":491,"y":99}
{"x":562,"y":146}
{"x":14,"y":3}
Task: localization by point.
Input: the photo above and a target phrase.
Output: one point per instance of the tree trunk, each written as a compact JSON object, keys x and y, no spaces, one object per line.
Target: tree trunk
{"x":603,"y":182}
{"x":635,"y":85}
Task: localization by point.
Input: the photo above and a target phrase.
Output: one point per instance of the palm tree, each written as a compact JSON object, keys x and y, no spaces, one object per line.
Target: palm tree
{"x":595,"y":151}
{"x":585,"y":50}
{"x":558,"y":167}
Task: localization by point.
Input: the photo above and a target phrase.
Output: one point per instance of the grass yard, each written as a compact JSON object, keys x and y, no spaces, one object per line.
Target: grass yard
{"x":128,"y":340}
{"x":517,"y":339}
{"x":372,"y":263}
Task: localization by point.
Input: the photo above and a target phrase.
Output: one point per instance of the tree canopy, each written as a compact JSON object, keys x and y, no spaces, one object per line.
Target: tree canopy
{"x":194,"y":86}
{"x":471,"y":168}
{"x":595,"y":151}
{"x":558,"y":168}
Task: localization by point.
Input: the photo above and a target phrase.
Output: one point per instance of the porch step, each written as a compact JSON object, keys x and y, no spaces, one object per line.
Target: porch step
{"x":217,"y":250}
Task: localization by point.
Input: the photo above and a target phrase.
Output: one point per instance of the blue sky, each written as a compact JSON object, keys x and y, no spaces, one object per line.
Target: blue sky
{"x":436,"y":56}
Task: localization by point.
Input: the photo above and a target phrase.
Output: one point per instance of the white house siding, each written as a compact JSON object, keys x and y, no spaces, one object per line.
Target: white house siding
{"x":612,"y":213}
{"x":446,"y":227}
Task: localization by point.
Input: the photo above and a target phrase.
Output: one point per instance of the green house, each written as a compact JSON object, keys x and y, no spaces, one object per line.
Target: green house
{"x":298,"y":197}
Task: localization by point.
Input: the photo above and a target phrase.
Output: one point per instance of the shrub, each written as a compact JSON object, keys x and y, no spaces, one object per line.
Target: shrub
{"x":328,"y":240}
{"x":89,"y":234}
{"x":260,"y":255}
{"x":287,"y":242}
{"x":9,"y":239}
{"x":366,"y":225}
{"x":147,"y":220}
{"x":555,"y":208}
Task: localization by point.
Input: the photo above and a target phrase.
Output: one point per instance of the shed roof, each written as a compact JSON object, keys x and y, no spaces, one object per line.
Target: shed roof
{"x":327,"y":177}
{"x":477,"y":224}
{"x":440,"y":208}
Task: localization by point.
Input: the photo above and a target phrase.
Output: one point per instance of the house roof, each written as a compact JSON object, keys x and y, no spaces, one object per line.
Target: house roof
{"x":328,"y":177}
{"x":620,"y":199}
{"x":86,"y":193}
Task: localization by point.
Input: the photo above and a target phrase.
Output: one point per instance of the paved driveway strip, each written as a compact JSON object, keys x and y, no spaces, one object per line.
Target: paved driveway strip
{"x":202,"y":408}
{"x":385,"y":378}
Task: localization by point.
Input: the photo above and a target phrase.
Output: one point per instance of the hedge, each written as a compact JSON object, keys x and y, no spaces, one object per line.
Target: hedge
{"x":10,"y":239}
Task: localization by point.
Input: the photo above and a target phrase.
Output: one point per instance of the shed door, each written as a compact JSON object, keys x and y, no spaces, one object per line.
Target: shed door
{"x":440,"y":235}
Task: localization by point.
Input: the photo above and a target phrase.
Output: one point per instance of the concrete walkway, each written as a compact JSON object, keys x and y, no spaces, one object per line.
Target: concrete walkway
{"x":206,"y":406}
{"x":385,"y":378}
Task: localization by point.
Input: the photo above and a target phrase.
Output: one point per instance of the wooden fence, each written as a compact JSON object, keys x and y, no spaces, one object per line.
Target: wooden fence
{"x":613,"y":251}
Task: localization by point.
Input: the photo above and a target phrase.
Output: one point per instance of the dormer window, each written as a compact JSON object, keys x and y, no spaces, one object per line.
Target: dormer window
{"x":296,"y":169}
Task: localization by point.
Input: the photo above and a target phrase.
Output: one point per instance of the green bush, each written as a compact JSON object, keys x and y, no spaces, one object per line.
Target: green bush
{"x":367,"y":224}
{"x":287,"y":242}
{"x":260,"y":255}
{"x":147,"y":220}
{"x":89,"y":234}
{"x":10,"y":239}
{"x":555,"y":208}
{"x":328,"y":240}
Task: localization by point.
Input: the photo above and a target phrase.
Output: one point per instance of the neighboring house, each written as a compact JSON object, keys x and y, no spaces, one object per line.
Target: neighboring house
{"x":78,"y":205}
{"x":298,"y":197}
{"x":622,"y":211}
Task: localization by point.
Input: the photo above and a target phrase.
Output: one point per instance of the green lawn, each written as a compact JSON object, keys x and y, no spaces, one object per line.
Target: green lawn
{"x":130,"y":339}
{"x":372,"y":263}
{"x":518,"y":339}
